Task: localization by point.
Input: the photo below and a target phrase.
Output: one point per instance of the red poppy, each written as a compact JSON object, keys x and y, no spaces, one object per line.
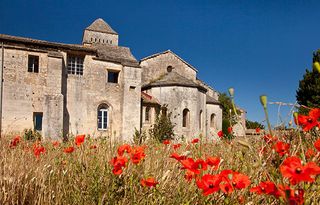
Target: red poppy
{"x":79,"y":139}
{"x":195,"y":140}
{"x":296,"y":172}
{"x":194,"y":166}
{"x":214,"y":162}
{"x":38,"y":150}
{"x":124,"y":148}
{"x":176,"y":146}
{"x":309,"y":121}
{"x":68,"y":150}
{"x":293,"y":197}
{"x":266,"y":187}
{"x":56,"y":143}
{"x":226,"y":187}
{"x":240,"y":181}
{"x":177,"y":156}
{"x":137,"y":154}
{"x":230,"y":130}
{"x":282,"y":148}
{"x":15,"y":141}
{"x":220,"y":134}
{"x":118,"y":163}
{"x":149,"y":182}
{"x":258,"y":130}
{"x":166,"y":142}
{"x":310,"y":153}
{"x":317,"y":145}
{"x":209,"y":184}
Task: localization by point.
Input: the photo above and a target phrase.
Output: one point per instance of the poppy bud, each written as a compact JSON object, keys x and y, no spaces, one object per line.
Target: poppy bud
{"x":316,"y":66}
{"x":231,"y":92}
{"x":295,"y":116}
{"x":263,"y":100}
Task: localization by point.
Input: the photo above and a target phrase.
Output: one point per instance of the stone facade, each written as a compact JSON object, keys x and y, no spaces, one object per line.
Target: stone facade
{"x":99,"y":88}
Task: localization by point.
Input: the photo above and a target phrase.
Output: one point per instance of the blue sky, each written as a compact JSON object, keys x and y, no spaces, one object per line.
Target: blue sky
{"x":257,"y":47}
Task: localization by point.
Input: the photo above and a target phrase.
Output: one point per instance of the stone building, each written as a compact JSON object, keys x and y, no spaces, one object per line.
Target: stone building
{"x":99,"y":88}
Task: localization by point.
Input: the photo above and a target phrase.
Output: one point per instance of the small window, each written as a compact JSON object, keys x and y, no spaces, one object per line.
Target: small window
{"x":212,"y":120}
{"x":75,"y":65}
{"x":113,"y":76}
{"x":169,"y":68}
{"x":164,"y":111}
{"x":37,"y":121}
{"x":200,"y":120}
{"x":147,"y":114}
{"x":186,"y":118}
{"x":110,"y":41}
{"x":33,"y":64}
{"x":102,"y":117}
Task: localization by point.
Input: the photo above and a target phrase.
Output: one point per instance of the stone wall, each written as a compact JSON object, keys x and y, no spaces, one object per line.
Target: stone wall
{"x":157,"y":66}
{"x":26,"y":93}
{"x":213,"y":127}
{"x":178,"y":98}
{"x":99,"y":37}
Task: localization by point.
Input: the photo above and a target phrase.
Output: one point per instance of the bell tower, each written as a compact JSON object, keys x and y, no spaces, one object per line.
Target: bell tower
{"x":99,"y":32}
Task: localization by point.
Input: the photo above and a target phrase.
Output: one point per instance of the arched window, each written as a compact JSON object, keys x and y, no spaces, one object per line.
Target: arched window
{"x":185,"y":118}
{"x":200,"y":120}
{"x":102,"y":117}
{"x":169,"y":68}
{"x":212,"y":120}
{"x":147,"y":114}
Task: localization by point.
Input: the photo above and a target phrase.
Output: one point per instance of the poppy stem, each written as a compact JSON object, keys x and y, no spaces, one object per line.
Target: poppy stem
{"x":268,"y":122}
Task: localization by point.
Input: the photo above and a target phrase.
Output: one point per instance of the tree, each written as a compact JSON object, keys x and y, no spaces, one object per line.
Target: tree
{"x":308,"y":93}
{"x":253,"y":125}
{"x":162,"y":129}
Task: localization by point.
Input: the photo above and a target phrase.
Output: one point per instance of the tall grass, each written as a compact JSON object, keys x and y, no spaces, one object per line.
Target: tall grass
{"x":85,"y":176}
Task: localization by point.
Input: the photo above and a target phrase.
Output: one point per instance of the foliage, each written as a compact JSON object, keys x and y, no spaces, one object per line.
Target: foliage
{"x":162,"y":129}
{"x":308,"y":93}
{"x":32,"y":135}
{"x":253,"y":125}
{"x":139,"y":137}
{"x":227,"y":110}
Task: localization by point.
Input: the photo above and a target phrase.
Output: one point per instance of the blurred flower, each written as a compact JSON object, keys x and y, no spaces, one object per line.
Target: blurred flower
{"x":149,"y":182}
{"x":68,"y":150}
{"x":213,"y":161}
{"x":195,"y":140}
{"x":310,"y":153}
{"x":124,"y":148}
{"x":293,"y":197}
{"x":166,"y":142}
{"x":38,"y":150}
{"x":309,"y":121}
{"x":230,"y":130}
{"x":137,"y":154}
{"x":118,"y":163}
{"x":266,"y":187}
{"x":258,"y":130}
{"x":282,"y":148}
{"x":79,"y":139}
{"x":317,"y":145}
{"x":15,"y":141}
{"x":177,"y":156}
{"x":56,"y":143}
{"x":176,"y":146}
{"x":220,"y":133}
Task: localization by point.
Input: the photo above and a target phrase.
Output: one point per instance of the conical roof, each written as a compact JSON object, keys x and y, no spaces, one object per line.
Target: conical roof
{"x":100,"y":25}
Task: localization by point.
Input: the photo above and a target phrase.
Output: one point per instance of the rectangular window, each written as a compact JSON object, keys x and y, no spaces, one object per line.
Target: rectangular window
{"x":37,"y":121}
{"x":113,"y":76}
{"x":33,"y":64}
{"x":75,"y":65}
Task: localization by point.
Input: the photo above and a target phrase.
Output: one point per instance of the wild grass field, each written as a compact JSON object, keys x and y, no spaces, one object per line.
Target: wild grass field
{"x":260,"y":169}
